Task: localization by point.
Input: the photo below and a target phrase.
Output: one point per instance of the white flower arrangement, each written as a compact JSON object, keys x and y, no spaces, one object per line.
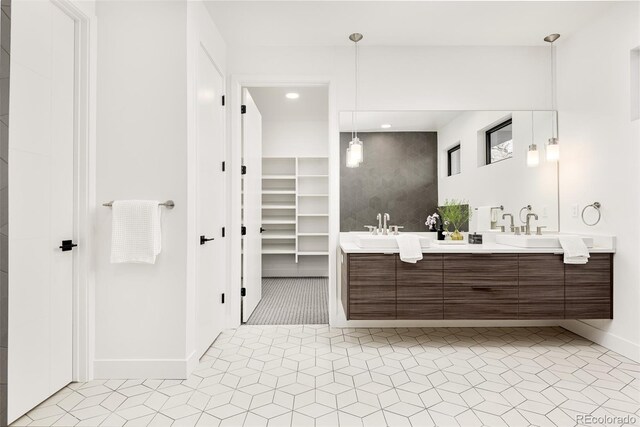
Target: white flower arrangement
{"x":432,"y":221}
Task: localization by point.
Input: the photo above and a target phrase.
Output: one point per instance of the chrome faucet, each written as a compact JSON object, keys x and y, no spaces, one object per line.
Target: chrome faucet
{"x":528,"y":224}
{"x":385,"y":229}
{"x":379,"y":218}
{"x":510,"y":219}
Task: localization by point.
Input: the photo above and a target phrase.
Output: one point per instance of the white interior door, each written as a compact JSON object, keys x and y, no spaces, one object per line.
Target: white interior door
{"x":210,"y":151}
{"x":252,"y":209}
{"x":41,"y":203}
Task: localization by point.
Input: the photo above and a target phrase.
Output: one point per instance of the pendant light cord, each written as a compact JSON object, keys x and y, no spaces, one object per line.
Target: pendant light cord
{"x":553,"y":92}
{"x":356,"y":100}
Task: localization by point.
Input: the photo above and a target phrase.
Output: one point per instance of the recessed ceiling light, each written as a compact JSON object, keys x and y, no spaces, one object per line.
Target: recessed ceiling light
{"x":385,"y":126}
{"x":293,"y":95}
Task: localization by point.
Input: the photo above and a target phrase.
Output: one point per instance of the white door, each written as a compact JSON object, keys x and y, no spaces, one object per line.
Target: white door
{"x":252,"y":209}
{"x":210,"y":194}
{"x":41,"y":203}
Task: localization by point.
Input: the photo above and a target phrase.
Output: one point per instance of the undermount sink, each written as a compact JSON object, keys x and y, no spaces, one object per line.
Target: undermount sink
{"x":535,"y":241}
{"x":383,"y":242}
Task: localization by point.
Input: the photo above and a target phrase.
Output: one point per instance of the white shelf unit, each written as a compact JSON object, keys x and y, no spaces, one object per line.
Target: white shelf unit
{"x":279,"y":206}
{"x":295,"y":209}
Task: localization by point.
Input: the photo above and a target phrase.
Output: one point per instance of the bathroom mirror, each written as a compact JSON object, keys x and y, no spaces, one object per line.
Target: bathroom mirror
{"x":413,"y":161}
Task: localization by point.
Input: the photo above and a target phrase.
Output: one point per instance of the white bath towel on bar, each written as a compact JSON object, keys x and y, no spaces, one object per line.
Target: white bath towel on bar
{"x":135,"y":231}
{"x":575,"y":251}
{"x":410,"y":250}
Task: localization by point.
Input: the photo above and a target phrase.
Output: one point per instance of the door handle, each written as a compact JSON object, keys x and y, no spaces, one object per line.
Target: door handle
{"x":204,"y":240}
{"x":67,"y":245}
{"x":262,"y":230}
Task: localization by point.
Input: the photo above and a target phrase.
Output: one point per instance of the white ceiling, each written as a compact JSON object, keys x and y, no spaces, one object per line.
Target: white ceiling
{"x":370,"y":121}
{"x":312,"y":105}
{"x":400,"y":23}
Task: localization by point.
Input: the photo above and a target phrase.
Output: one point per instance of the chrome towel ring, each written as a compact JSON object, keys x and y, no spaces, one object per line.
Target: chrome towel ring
{"x":596,"y":206}
{"x":525,"y":209}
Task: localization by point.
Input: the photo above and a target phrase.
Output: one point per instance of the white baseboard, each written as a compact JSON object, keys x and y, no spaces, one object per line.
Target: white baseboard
{"x":178,"y":369}
{"x":606,"y":339}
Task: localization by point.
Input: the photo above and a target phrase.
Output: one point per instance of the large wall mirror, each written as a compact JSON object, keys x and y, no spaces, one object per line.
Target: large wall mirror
{"x":413,"y":161}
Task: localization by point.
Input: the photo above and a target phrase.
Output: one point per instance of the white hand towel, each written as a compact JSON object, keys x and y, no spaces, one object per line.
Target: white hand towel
{"x":410,"y":250}
{"x":135,"y":231}
{"x":575,"y":251}
{"x":483,"y":220}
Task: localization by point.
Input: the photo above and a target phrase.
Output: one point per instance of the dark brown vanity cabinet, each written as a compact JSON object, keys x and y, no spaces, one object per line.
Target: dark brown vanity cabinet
{"x":476,"y":286}
{"x":480,"y":286}
{"x":589,"y":288}
{"x":372,"y":286}
{"x":420,"y":288}
{"x":541,"y":286}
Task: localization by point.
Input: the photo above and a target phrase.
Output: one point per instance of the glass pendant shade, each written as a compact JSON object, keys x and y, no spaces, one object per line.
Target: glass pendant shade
{"x":352,"y":161}
{"x":533,"y":156}
{"x":553,"y":150}
{"x":357,"y":150}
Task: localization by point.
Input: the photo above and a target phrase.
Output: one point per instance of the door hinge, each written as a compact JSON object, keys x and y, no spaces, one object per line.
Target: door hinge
{"x":243,"y":109}
{"x":223,"y":100}
{"x":243,"y":230}
{"x":243,"y":292}
{"x":224,"y":166}
{"x":223,"y":231}
{"x":243,"y":170}
{"x":222,"y":298}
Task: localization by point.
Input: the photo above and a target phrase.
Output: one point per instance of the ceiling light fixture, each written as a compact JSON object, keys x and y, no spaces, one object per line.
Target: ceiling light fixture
{"x":553,"y":148}
{"x":292,"y":95}
{"x":355,"y":152}
{"x":385,"y":126}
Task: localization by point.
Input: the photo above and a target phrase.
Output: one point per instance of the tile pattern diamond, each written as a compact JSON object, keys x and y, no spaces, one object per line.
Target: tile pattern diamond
{"x":321,"y":376}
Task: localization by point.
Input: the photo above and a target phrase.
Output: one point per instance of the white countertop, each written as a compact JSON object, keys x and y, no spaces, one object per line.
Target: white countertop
{"x":602,"y":244}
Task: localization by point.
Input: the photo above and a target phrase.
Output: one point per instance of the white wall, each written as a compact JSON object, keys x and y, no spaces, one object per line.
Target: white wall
{"x":510,"y":182}
{"x":414,"y":78}
{"x":600,"y":156}
{"x":144,"y":313}
{"x":295,"y":138}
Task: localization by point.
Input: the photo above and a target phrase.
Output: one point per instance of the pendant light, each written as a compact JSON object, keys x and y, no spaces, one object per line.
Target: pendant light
{"x":553,"y":147}
{"x":533,"y":156}
{"x":355,"y":152}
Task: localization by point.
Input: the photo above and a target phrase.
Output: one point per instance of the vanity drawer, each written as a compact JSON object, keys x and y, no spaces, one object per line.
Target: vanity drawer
{"x":481,"y":309}
{"x":480,"y":269}
{"x":420,"y":288}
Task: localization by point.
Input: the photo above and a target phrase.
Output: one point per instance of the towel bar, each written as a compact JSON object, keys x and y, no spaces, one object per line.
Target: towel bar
{"x":169,"y":204}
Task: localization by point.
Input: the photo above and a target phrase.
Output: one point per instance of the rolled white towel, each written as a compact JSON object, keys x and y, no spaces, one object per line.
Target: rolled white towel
{"x":575,"y":251}
{"x":410,"y":250}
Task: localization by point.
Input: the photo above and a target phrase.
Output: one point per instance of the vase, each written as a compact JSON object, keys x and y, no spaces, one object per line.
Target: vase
{"x":441,"y":235}
{"x":456,"y":235}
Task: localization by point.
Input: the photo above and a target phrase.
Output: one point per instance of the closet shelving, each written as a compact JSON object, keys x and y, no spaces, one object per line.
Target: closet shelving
{"x":295,"y":206}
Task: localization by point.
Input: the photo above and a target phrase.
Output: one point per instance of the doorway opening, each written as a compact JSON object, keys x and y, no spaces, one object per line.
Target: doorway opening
{"x":285,"y":205}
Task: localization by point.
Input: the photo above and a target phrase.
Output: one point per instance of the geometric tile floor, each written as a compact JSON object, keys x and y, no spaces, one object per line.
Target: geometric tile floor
{"x":321,"y":376}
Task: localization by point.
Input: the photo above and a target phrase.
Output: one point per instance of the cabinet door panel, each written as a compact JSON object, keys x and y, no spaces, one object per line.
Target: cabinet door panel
{"x":420,"y":288}
{"x":541,"y":286}
{"x":372,"y":286}
{"x":589,"y":288}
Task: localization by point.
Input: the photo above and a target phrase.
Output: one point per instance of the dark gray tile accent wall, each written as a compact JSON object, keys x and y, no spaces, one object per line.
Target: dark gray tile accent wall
{"x":399,"y":175}
{"x":5,"y":39}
